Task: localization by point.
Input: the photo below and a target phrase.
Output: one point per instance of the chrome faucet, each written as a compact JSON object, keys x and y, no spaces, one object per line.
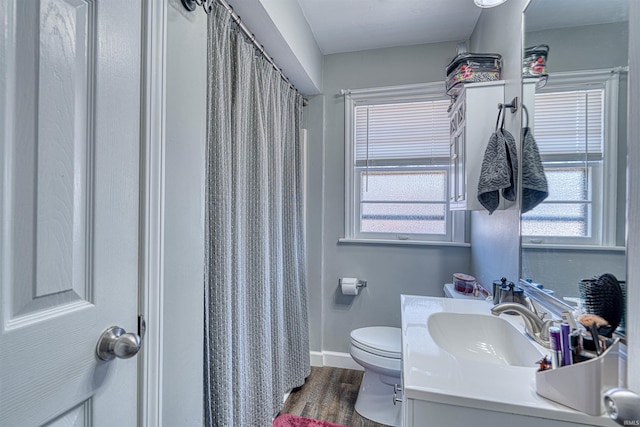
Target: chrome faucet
{"x":534,"y":326}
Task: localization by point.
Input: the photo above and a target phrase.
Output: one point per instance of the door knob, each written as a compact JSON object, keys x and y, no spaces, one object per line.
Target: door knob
{"x":116,"y":342}
{"x":623,"y":406}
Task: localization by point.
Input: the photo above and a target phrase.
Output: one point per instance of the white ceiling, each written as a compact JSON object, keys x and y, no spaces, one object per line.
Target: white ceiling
{"x":296,"y":33}
{"x":352,"y":25}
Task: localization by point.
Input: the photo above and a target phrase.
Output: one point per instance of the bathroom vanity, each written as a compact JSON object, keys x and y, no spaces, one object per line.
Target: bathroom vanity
{"x":462,"y":366}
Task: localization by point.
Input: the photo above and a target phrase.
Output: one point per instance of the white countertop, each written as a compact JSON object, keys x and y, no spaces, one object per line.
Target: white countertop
{"x":432,"y":374}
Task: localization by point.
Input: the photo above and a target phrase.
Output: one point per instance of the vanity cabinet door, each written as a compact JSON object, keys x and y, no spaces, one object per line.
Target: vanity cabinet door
{"x":457,"y":175}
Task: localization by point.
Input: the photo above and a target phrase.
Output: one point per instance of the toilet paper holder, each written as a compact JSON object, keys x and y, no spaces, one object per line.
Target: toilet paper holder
{"x":359,"y":283}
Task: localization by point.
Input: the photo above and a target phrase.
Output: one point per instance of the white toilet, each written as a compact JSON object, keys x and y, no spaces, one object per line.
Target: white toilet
{"x":378,"y":350}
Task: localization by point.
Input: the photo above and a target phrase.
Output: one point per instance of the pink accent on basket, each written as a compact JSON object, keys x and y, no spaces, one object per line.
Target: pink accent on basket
{"x":290,"y":420}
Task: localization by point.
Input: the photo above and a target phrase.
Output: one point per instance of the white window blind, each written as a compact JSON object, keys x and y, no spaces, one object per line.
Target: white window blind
{"x":415,"y":133}
{"x":570,"y":125}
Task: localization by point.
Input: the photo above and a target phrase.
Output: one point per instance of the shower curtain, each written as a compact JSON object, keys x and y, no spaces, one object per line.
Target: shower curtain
{"x":256,"y":330}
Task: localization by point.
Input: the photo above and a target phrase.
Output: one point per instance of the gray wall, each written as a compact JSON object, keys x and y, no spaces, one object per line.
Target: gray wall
{"x":183,"y":217}
{"x":562,"y":269}
{"x":390,"y":270}
{"x":314,"y":123}
{"x":590,"y":47}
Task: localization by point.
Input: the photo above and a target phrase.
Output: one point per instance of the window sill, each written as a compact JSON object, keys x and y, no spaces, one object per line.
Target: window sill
{"x":402,"y":242}
{"x":557,"y":247}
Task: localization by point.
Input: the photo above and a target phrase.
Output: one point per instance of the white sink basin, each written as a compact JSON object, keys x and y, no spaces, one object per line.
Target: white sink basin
{"x":483,"y":338}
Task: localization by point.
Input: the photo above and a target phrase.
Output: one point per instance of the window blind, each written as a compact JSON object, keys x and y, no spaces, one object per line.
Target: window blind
{"x":415,"y":133}
{"x":570,"y":125}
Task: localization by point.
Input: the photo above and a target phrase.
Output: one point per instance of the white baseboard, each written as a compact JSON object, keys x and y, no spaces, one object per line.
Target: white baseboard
{"x":334,"y":359}
{"x":316,"y":358}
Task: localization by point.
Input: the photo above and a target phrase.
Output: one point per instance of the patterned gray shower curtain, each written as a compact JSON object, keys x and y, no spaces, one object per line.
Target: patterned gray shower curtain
{"x":256,"y":329}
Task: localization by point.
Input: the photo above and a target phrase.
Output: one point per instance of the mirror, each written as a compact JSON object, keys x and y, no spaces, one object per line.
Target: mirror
{"x":577,"y":116}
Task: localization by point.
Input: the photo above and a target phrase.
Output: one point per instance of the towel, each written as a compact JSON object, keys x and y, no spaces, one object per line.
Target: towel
{"x":499,"y":171}
{"x":534,"y":181}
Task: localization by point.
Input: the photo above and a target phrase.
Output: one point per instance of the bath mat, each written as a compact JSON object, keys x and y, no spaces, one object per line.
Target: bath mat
{"x":290,"y":420}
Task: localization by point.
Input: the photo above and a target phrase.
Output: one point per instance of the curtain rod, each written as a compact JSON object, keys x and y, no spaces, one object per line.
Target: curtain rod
{"x":207,"y":5}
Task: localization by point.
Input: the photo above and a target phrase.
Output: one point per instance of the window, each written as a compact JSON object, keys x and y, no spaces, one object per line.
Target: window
{"x":397,"y":164}
{"x":575,"y":125}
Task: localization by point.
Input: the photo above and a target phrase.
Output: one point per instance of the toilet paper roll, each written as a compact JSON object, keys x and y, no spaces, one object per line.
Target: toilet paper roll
{"x":349,"y":285}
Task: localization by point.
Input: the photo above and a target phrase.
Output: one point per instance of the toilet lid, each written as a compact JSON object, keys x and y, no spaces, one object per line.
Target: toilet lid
{"x":382,"y":340}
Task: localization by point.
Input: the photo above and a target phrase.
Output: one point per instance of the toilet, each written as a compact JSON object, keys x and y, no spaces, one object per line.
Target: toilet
{"x":378,"y":350}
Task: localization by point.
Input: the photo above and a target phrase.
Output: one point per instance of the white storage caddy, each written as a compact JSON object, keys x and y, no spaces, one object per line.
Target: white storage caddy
{"x":580,"y":386}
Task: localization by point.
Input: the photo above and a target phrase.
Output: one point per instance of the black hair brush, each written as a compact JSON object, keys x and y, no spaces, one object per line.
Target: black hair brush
{"x":603,"y":297}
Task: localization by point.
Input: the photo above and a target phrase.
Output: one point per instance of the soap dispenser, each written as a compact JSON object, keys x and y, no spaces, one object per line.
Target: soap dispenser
{"x":512,"y":293}
{"x":497,"y":284}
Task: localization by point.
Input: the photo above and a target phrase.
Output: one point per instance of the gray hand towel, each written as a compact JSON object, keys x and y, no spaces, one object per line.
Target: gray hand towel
{"x":534,"y":181}
{"x":499,"y":171}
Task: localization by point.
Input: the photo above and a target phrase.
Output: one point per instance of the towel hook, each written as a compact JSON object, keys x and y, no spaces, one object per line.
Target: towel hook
{"x":513,"y":105}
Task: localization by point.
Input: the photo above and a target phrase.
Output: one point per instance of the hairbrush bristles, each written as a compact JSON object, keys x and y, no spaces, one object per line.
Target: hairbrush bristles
{"x":603,"y":297}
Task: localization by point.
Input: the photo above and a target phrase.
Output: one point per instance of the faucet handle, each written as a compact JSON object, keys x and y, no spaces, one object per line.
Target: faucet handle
{"x":531,"y":306}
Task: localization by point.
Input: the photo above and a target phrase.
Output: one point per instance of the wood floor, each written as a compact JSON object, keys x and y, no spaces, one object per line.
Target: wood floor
{"x":329,"y":394}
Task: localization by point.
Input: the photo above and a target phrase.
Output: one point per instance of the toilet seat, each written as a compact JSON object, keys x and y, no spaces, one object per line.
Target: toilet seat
{"x":382,"y":341}
{"x":385,"y":366}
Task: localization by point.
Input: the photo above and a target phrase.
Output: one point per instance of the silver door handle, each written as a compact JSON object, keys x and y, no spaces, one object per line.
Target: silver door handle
{"x":623,"y":406}
{"x":116,"y":342}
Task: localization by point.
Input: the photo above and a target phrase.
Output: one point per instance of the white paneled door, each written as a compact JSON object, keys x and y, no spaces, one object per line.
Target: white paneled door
{"x":70,"y":73}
